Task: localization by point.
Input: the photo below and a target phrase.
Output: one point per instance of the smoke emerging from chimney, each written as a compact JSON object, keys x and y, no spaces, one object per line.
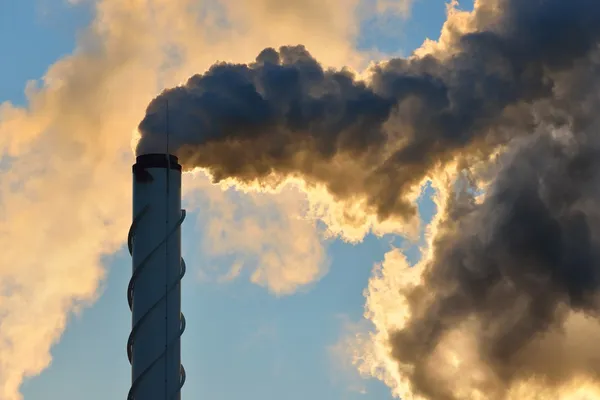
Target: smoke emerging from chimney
{"x":509,"y":271}
{"x":286,"y":115}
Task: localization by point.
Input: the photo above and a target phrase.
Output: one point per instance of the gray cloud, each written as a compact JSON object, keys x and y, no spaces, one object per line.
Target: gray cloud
{"x":509,"y":270}
{"x":515,"y":265}
{"x":285,"y":114}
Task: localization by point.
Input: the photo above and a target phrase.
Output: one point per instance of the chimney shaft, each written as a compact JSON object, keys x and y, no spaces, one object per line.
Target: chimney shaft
{"x":154,"y":291}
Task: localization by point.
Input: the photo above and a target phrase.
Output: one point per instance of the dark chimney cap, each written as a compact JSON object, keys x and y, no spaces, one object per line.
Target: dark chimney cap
{"x":156,"y":161}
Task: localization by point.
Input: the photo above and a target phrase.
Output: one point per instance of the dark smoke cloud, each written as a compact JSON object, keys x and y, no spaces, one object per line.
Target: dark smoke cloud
{"x":515,"y":265}
{"x":285,"y":114}
{"x":512,"y":267}
{"x":510,"y":271}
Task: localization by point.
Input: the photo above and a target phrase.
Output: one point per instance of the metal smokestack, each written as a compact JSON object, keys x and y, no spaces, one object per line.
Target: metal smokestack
{"x":154,"y":292}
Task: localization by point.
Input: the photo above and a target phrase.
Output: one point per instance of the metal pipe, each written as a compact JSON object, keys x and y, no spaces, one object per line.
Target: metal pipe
{"x":154,"y":292}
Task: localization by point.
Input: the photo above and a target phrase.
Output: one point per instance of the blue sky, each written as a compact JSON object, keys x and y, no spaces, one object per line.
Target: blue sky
{"x":241,"y":341}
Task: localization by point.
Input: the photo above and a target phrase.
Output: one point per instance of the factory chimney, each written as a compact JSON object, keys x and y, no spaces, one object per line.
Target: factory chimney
{"x":154,"y":292}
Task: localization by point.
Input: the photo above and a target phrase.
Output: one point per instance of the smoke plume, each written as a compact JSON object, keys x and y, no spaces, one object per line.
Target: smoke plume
{"x":286,"y":115}
{"x":500,"y":306}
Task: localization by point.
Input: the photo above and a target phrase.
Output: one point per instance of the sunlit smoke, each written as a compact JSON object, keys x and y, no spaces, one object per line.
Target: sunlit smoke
{"x":65,"y":155}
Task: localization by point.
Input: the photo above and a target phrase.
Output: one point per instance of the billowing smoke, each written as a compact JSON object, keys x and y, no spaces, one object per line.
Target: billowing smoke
{"x":286,"y":115}
{"x":510,"y":269}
